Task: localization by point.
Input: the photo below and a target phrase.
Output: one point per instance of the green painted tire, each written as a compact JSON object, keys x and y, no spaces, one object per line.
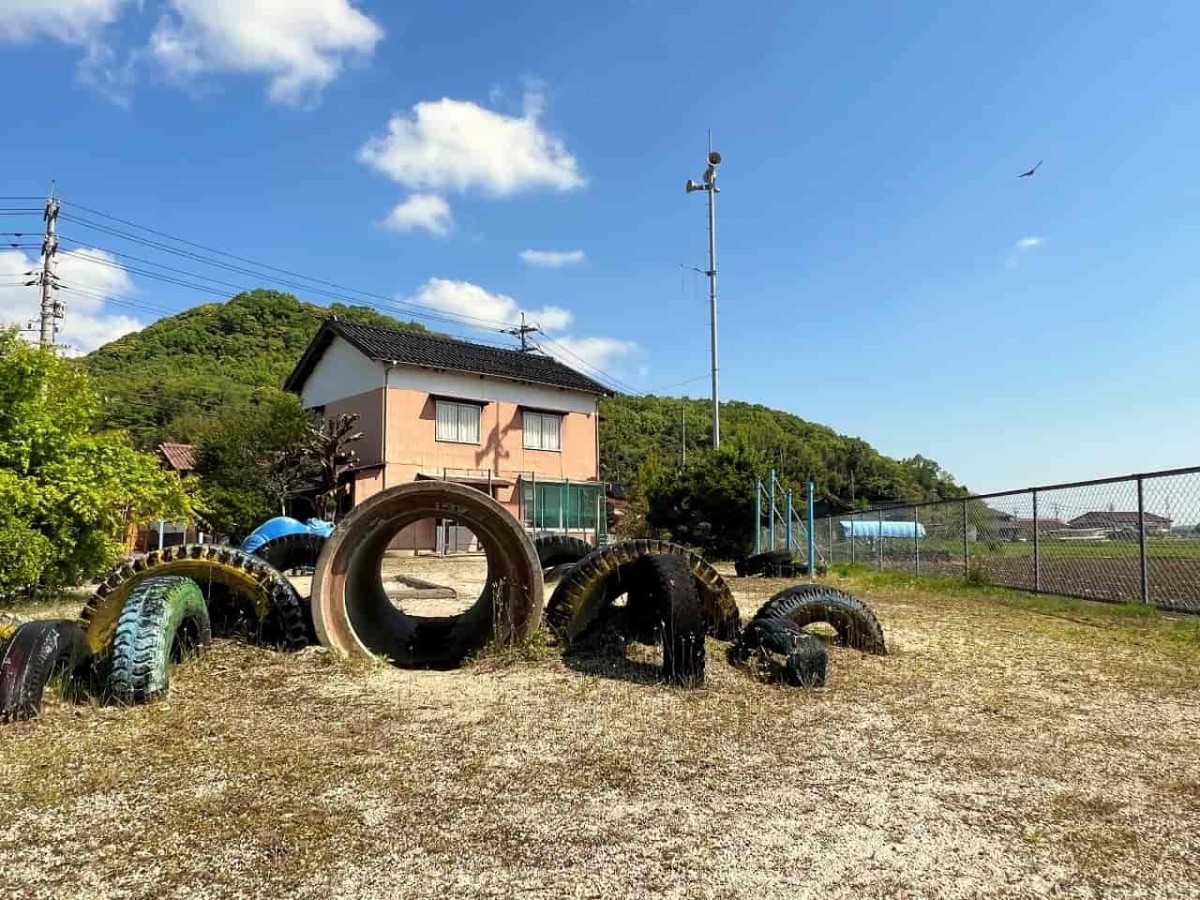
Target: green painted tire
{"x":164,"y":619}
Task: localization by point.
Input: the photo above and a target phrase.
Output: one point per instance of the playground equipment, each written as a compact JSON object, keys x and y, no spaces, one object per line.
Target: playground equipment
{"x":796,"y":531}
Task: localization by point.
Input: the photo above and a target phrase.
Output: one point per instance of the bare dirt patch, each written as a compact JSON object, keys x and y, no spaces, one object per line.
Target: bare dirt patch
{"x":996,"y":752}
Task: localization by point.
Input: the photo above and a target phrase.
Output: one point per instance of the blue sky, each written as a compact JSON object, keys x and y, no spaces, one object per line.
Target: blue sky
{"x":883,"y":271}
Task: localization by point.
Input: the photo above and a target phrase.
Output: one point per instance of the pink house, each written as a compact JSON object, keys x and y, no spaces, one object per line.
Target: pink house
{"x":518,"y":425}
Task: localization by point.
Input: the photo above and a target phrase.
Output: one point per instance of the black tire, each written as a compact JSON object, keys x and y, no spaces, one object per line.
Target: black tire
{"x":164,"y":619}
{"x":581,"y":598}
{"x":33,"y":654}
{"x":558,"y":572}
{"x":669,"y":598}
{"x":804,"y":656}
{"x":853,"y":620}
{"x":289,"y":552}
{"x":292,"y":551}
{"x":557,"y":549}
{"x":244,"y":594}
{"x":758,"y":563}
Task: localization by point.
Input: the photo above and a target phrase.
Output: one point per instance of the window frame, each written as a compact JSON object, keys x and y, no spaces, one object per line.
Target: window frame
{"x":459,"y":405}
{"x":542,"y":415}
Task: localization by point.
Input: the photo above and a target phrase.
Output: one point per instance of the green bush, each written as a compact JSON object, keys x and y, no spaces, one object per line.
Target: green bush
{"x":67,"y":490}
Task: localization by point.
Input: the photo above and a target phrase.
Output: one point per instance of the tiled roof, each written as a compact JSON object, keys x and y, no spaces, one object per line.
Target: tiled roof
{"x":411,"y":348}
{"x":1105,"y":518}
{"x":180,"y":457}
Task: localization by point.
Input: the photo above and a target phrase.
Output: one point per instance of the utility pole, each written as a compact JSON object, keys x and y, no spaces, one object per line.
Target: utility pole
{"x":51,"y":311}
{"x":709,"y":185}
{"x":683,"y":435}
{"x":522,"y":333}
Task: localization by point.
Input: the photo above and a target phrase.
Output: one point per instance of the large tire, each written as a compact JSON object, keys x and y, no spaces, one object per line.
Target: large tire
{"x":583,"y":595}
{"x":164,"y":619}
{"x":241,"y":589}
{"x":353,"y":614}
{"x":292,"y":551}
{"x":32,"y":655}
{"x":853,"y":620}
{"x":757,"y":564}
{"x":557,"y":549}
{"x":289,"y":552}
{"x":805,"y":657}
{"x":671,"y":599}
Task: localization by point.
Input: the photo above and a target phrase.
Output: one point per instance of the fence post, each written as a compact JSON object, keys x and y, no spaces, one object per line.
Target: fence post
{"x":771,"y":514}
{"x":879,"y":541}
{"x":966,"y":542}
{"x":829,"y":537}
{"x":1141,"y":485}
{"x":787,"y":527}
{"x":916,"y":540}
{"x":812,"y":536}
{"x":853,"y":534}
{"x":757,"y":516}
{"x":1037,"y":547}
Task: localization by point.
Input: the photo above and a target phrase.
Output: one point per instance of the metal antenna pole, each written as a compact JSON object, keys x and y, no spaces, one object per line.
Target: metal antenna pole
{"x":50,"y":311}
{"x":712,"y":305}
{"x":710,"y":186}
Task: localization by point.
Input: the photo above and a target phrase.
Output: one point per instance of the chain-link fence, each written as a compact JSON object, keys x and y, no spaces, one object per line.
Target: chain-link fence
{"x":1130,"y":539}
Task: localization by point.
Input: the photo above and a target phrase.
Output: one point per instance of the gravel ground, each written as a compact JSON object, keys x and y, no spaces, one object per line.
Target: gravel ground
{"x":997,"y":752}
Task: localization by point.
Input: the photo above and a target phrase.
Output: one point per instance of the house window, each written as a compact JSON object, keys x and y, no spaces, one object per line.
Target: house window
{"x":543,"y":431}
{"x":457,"y":423}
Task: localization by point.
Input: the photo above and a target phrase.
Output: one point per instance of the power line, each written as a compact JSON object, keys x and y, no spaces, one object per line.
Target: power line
{"x":420,"y":310}
{"x":408,"y":307}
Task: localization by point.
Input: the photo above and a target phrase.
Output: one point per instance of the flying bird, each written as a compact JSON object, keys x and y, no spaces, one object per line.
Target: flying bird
{"x":1031,"y":171}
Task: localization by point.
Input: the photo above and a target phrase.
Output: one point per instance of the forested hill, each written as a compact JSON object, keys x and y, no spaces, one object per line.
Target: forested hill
{"x":171,"y":379}
{"x":848,"y":471}
{"x":177,"y":378}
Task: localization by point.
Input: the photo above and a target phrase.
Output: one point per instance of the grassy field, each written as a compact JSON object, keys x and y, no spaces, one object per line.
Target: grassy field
{"x":1084,"y":550}
{"x":1009,"y":746}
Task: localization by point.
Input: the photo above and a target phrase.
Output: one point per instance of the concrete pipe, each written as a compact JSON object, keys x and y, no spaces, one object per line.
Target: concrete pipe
{"x":354,"y":616}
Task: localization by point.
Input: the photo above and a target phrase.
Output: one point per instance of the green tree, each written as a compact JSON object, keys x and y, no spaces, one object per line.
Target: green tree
{"x":710,"y":505}
{"x":67,"y":490}
{"x":250,"y":461}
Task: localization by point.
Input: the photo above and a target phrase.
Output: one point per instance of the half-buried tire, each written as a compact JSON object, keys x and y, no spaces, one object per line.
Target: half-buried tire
{"x":31,"y":657}
{"x":804,"y":655}
{"x":559,"y":549}
{"x":760,"y":562}
{"x":244,"y":593}
{"x":165,"y":619}
{"x":853,"y":620}
{"x":292,"y":551}
{"x":669,"y":597}
{"x":581,"y":598}
{"x":353,"y":614}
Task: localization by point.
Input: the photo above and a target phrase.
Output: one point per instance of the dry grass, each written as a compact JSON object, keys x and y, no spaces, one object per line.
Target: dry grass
{"x":999,"y":751}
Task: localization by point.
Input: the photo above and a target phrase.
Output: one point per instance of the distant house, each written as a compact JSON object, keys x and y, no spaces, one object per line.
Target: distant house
{"x":1027,"y":527}
{"x":519,"y":426}
{"x":180,"y":458}
{"x":1122,"y":522}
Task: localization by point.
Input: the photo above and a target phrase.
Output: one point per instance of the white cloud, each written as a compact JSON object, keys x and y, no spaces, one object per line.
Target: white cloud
{"x":552,"y":259}
{"x":94,"y":277}
{"x":1021,"y":247}
{"x":462,"y":298}
{"x":301,"y":45}
{"x":603,"y":353}
{"x":457,"y":145}
{"x":69,"y":21}
{"x":427,"y":211}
